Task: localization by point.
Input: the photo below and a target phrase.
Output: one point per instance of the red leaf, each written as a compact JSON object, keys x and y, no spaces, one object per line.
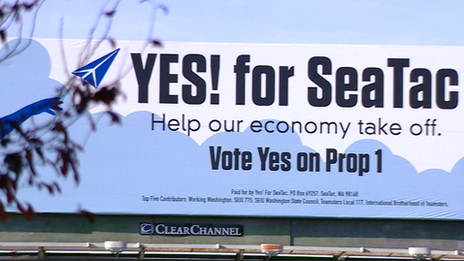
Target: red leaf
{"x":110,"y":13}
{"x":112,"y":42}
{"x":3,"y":36}
{"x":164,"y":8}
{"x":58,"y":127}
{"x":64,"y":169}
{"x":89,"y":215}
{"x":76,"y":173}
{"x":36,"y":141}
{"x":57,"y":187}
{"x":105,"y":95}
{"x":14,"y":162}
{"x":29,"y":213}
{"x":28,"y":6}
{"x":9,"y":197}
{"x":4,"y":181}
{"x":28,"y":155}
{"x":114,"y":117}
{"x":30,"y":162}
{"x":155,"y":42}
{"x":3,"y":215}
{"x":50,"y":189}
{"x":93,"y":127}
{"x":39,"y":151}
{"x":5,"y":142}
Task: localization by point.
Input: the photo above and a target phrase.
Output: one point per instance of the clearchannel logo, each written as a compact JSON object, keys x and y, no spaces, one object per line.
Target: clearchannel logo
{"x":162,"y":229}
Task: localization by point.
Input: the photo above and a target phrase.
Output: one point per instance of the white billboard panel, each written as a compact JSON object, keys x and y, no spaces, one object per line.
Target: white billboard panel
{"x":271,"y":130}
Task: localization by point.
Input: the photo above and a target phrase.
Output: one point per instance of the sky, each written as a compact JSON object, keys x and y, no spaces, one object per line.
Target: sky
{"x":358,"y":22}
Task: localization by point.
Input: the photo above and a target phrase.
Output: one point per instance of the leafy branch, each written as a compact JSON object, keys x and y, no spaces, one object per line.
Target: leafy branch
{"x":28,"y":152}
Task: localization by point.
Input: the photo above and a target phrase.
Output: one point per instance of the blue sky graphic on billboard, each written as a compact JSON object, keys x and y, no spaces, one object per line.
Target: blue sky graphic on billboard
{"x":91,"y":73}
{"x":253,"y":159}
{"x":33,"y":70}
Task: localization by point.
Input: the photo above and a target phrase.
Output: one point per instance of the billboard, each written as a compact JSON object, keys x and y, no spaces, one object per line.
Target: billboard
{"x":264,"y":129}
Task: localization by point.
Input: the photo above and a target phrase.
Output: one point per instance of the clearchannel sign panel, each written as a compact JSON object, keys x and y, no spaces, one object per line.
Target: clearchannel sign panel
{"x":267,"y":130}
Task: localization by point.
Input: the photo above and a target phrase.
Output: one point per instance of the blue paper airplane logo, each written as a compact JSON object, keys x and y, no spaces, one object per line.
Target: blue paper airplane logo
{"x":94,"y":72}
